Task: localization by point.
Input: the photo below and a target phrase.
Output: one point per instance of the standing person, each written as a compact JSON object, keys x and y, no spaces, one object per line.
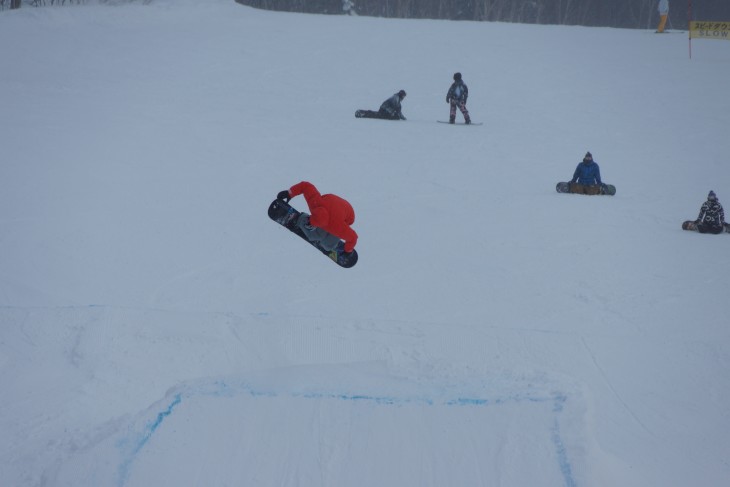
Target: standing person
{"x":712,"y":217}
{"x":663,"y":9}
{"x":587,"y":177}
{"x":390,"y":109}
{"x":330,"y":220}
{"x":456,"y":97}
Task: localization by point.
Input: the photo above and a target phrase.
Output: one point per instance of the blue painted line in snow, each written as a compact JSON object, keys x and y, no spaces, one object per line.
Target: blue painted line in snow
{"x":386,"y":400}
{"x":347,"y":397}
{"x":559,"y":401}
{"x":222,"y":389}
{"x":565,"y":469}
{"x":144,"y":438}
{"x":467,"y":401}
{"x":562,"y":453}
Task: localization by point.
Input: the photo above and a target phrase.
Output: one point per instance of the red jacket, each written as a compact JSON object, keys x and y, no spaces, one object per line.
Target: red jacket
{"x":328,"y":212}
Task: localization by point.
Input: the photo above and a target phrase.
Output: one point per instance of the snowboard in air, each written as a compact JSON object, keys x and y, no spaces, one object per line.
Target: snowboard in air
{"x":692,"y":226}
{"x":564,"y":187}
{"x":287,"y":216}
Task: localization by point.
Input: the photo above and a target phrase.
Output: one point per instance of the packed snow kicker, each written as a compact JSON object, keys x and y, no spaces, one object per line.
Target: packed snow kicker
{"x":157,"y":329}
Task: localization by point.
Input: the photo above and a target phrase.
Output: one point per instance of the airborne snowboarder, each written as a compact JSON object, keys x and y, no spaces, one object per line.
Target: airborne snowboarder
{"x":330,"y":220}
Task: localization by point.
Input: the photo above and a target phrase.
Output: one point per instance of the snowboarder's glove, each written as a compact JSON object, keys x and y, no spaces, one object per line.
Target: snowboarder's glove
{"x":284,"y":196}
{"x":447,"y":99}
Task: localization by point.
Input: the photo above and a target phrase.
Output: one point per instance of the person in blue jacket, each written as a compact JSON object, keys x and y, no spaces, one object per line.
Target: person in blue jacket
{"x":587,"y":177}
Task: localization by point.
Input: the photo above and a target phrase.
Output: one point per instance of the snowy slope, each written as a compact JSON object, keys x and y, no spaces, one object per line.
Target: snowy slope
{"x":157,"y":329}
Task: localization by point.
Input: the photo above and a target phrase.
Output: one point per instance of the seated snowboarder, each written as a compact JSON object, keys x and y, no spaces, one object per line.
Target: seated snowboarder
{"x":712,"y":217}
{"x":587,"y":177}
{"x":456,"y":97}
{"x":330,"y":220}
{"x":389,"y":110}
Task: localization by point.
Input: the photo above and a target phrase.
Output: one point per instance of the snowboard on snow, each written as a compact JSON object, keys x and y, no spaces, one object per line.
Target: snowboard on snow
{"x":564,"y":187}
{"x":372,"y":114}
{"x":287,"y":216}
{"x":692,"y":226}
{"x":459,"y":123}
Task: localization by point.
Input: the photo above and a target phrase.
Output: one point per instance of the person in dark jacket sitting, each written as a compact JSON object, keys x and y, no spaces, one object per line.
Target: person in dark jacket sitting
{"x":389,"y":110}
{"x":712,"y":217}
{"x":587,"y":177}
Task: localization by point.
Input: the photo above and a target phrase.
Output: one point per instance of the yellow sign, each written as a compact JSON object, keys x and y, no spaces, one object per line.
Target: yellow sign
{"x":709,"y":30}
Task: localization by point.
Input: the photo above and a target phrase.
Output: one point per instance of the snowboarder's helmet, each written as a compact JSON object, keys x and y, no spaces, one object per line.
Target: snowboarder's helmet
{"x":402,"y":93}
{"x":711,"y":196}
{"x":588,"y":156}
{"x":457,"y":76}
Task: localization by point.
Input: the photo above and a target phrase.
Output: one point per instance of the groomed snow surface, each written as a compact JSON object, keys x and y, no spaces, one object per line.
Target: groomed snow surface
{"x":157,"y":329}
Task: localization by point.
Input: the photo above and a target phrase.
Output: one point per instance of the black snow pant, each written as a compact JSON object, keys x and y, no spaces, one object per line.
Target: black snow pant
{"x":379,"y":114}
{"x":704,"y":228}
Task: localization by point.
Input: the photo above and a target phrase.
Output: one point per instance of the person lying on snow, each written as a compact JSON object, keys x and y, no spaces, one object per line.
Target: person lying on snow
{"x":389,"y":110}
{"x":330,"y":220}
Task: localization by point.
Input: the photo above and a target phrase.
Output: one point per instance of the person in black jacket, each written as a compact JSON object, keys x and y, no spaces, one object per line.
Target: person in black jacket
{"x":712,"y":217}
{"x":456,"y":97}
{"x":389,"y":110}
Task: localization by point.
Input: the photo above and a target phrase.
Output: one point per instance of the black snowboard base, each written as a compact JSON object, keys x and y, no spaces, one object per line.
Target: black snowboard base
{"x":692,"y":226}
{"x":374,"y":114}
{"x":459,"y":123}
{"x":287,"y":216}
{"x":607,"y":189}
